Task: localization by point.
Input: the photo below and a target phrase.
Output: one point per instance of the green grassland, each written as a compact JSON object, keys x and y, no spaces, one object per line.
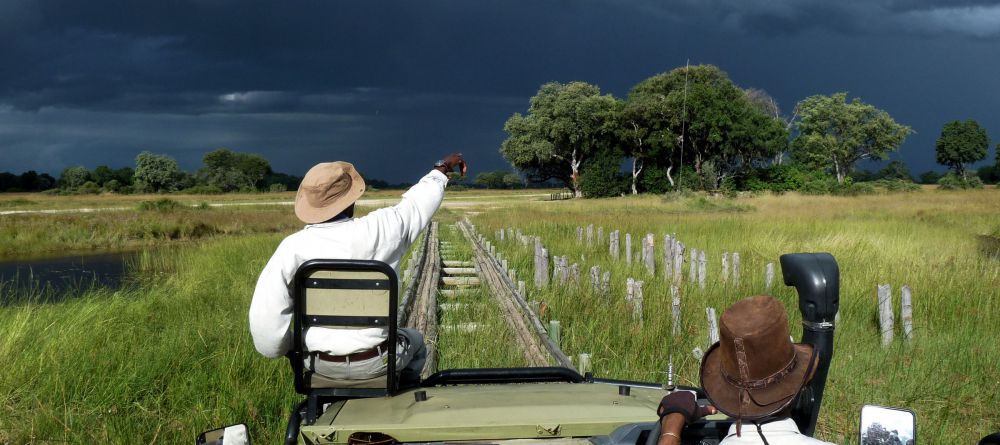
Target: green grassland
{"x":159,"y":363}
{"x":927,"y":240}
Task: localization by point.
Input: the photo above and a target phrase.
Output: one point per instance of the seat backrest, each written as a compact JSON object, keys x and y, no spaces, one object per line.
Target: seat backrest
{"x":343,"y":294}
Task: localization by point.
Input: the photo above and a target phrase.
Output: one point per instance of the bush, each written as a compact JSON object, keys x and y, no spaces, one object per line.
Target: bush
{"x":277,"y":188}
{"x":897,"y":185}
{"x":603,"y":178}
{"x":202,"y":190}
{"x":653,"y":179}
{"x":160,"y":205}
{"x":850,"y":188}
{"x":89,"y":188}
{"x":776,"y":178}
{"x":951,"y":181}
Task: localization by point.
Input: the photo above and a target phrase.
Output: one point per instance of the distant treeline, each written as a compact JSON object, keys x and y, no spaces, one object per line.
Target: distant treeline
{"x":694,"y":129}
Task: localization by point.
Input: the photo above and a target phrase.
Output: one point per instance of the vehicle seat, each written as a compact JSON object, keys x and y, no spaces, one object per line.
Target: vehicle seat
{"x":342,"y":294}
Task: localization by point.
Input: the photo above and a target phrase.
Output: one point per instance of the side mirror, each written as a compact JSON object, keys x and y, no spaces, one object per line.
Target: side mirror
{"x":887,"y":426}
{"x":230,"y":435}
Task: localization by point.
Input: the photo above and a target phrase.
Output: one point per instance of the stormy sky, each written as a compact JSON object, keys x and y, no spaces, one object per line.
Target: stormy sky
{"x":392,"y":86}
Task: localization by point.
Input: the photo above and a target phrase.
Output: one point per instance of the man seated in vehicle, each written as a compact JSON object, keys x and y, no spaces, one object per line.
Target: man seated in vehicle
{"x":325,"y":202}
{"x":753,"y":375}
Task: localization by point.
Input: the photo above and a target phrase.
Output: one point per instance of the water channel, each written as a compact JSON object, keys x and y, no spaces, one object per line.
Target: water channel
{"x":53,"y":279}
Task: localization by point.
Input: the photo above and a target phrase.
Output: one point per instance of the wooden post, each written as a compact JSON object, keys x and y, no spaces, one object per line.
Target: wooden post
{"x":713,"y":326}
{"x":668,"y":257}
{"x":637,"y":302}
{"x":606,"y":283}
{"x":768,"y":276}
{"x":678,"y":262}
{"x":675,"y":304}
{"x":583,"y":363}
{"x":693,"y":266}
{"x":541,"y":265}
{"x":579,"y":234}
{"x":595,"y":279}
{"x":649,"y":253}
{"x":725,"y":268}
{"x":885,"y":314}
{"x":702,"y":266}
{"x":503,"y":264}
{"x":600,"y":235}
{"x":629,"y":289}
{"x":613,"y":242}
{"x":520,"y":289}
{"x":628,"y":248}
{"x":574,"y":273}
{"x":736,"y":269}
{"x":512,"y":274}
{"x":535,"y":305}
{"x":556,"y":272}
{"x":590,"y":235}
{"x":554,"y":329}
{"x":906,"y":312}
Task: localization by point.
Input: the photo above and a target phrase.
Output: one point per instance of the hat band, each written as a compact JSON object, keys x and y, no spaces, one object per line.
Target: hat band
{"x":761,"y":383}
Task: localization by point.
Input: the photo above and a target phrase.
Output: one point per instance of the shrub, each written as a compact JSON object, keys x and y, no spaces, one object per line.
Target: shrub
{"x":90,"y":188}
{"x":951,"y":181}
{"x":897,"y":185}
{"x":776,"y":178}
{"x":160,"y":205}
{"x":277,"y":188}
{"x":203,"y":189}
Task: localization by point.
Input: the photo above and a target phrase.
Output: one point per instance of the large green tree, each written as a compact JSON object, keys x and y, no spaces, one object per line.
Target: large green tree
{"x":835,"y":134}
{"x":232,"y":171}
{"x":714,"y":122}
{"x":646,"y":135}
{"x":566,"y":125}
{"x":961,"y":143}
{"x":74,"y":177}
{"x":156,"y":173}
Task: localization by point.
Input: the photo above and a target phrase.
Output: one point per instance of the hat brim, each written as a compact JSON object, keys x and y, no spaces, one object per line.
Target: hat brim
{"x":310,"y":214}
{"x":764,"y":401}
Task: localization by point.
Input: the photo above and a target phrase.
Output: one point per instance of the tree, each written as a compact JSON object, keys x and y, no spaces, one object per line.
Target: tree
{"x":231,"y":171}
{"x":491,"y":180}
{"x":74,"y":177}
{"x":512,"y":180}
{"x":834,"y":133}
{"x":156,"y":173}
{"x":566,"y":125}
{"x":708,"y":119}
{"x":646,"y":134}
{"x":961,"y":143}
{"x":103,"y":174}
{"x":896,"y":170}
{"x":929,"y":177}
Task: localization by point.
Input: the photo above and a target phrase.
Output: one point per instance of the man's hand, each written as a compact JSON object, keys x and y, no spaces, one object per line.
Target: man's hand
{"x":683,"y":403}
{"x":451,"y":161}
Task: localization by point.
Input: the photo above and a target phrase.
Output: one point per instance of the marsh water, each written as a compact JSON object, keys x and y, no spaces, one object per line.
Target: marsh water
{"x":53,"y":279}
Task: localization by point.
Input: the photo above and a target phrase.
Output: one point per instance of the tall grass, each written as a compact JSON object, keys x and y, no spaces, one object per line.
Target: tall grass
{"x":155,"y":365}
{"x":949,"y":373}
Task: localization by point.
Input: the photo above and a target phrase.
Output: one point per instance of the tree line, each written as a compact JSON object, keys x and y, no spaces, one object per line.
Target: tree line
{"x":692,"y":128}
{"x":223,"y":171}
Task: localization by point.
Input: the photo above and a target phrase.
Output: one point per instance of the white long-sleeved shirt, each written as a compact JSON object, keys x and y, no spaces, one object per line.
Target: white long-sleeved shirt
{"x":382,"y":235}
{"x":781,"y":432}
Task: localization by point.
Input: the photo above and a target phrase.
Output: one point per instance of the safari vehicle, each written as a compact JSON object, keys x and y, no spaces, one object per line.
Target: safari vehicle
{"x":509,"y":405}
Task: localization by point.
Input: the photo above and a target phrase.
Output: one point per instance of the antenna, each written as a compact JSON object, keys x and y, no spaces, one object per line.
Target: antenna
{"x":680,"y":176}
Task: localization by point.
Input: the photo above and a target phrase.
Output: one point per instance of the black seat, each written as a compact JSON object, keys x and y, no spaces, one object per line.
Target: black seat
{"x":342,"y":294}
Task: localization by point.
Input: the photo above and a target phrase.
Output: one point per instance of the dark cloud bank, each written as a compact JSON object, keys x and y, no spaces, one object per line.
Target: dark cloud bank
{"x":393,"y":85}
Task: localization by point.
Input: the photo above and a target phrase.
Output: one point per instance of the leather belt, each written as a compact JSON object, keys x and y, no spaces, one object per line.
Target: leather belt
{"x":355,"y":357}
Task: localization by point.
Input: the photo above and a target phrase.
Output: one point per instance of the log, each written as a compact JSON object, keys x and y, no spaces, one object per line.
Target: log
{"x":906,"y":312}
{"x":628,"y":248}
{"x":885,"y":315}
{"x":613,"y":244}
{"x":702,"y":267}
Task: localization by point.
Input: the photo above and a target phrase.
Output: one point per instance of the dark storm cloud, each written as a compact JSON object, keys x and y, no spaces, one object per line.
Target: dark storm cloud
{"x":96,"y":82}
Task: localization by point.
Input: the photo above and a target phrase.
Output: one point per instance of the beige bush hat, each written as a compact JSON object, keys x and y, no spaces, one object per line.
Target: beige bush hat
{"x":326,"y":190}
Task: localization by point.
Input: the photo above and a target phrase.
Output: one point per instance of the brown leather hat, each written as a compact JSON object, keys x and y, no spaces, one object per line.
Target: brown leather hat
{"x":326,"y":190}
{"x":755,"y":370}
